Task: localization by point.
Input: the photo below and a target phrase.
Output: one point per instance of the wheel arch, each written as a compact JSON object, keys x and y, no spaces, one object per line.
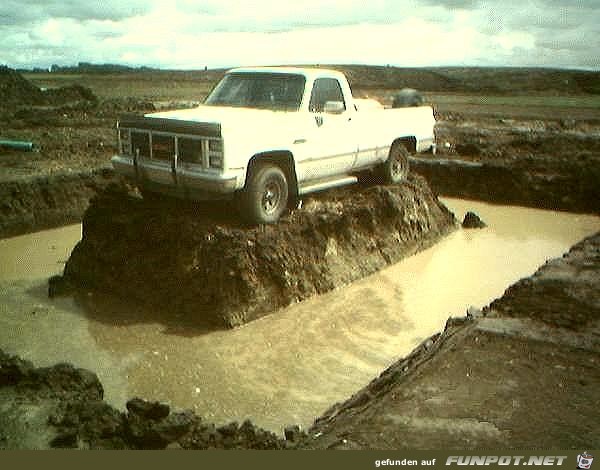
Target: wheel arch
{"x":284,"y":159}
{"x":410,"y":142}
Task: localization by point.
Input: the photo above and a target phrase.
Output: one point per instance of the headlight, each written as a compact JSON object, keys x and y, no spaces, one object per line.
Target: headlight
{"x":215,"y":145}
{"x":215,"y":153}
{"x":215,"y":161}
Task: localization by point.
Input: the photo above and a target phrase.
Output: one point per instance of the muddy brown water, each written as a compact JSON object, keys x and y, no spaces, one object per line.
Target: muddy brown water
{"x":283,"y":368}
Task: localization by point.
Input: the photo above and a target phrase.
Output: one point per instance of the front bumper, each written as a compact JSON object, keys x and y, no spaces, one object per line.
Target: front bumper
{"x":180,"y":182}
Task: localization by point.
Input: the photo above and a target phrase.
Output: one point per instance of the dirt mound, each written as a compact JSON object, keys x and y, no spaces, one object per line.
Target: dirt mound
{"x":233,"y":274}
{"x":16,"y":90}
{"x":363,"y":76}
{"x":67,"y":94}
{"x":570,"y":301}
{"x":48,"y":201}
{"x":64,"y":407}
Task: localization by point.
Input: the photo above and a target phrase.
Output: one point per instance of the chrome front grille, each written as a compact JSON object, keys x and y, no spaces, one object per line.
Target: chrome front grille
{"x":197,"y":151}
{"x":190,"y":150}
{"x":140,"y":143}
{"x":163,"y":147}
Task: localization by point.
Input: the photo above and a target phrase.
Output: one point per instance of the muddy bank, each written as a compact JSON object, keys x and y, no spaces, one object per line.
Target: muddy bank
{"x":62,"y":407}
{"x":36,"y":203}
{"x":521,"y":374}
{"x":199,"y":261}
{"x":567,"y":186}
{"x":551,"y":163}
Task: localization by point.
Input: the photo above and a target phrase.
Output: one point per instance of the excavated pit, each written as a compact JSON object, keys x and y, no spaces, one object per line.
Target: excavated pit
{"x":199,"y":261}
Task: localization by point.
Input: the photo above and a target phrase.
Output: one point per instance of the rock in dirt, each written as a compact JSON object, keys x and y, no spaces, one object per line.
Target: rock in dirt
{"x":472,"y":220}
{"x":148,"y":410}
{"x":199,"y":261}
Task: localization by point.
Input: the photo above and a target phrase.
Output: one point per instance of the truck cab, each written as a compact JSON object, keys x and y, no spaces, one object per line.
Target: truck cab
{"x":268,"y":135}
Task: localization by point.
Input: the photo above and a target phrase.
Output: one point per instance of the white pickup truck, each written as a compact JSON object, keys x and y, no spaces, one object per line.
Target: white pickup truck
{"x":268,"y":136}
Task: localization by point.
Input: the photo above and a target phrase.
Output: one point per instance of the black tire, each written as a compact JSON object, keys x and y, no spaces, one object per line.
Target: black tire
{"x":395,"y":169}
{"x":265,"y":196}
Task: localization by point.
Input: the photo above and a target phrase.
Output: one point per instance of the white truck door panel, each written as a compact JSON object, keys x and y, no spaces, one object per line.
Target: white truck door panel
{"x":330,"y":143}
{"x":330,"y":147}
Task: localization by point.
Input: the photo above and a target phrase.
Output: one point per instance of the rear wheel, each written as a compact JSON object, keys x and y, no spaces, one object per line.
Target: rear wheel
{"x":395,"y":168}
{"x":265,"y":197}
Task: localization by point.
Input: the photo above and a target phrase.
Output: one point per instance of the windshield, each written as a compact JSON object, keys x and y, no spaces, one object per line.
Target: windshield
{"x":275,"y":91}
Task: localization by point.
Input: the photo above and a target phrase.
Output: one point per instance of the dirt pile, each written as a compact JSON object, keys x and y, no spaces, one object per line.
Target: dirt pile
{"x":569,"y":287}
{"x":199,"y":261}
{"x":48,"y":201}
{"x":520,"y":374}
{"x":16,"y":91}
{"x":63,"y":407}
{"x":69,"y":94}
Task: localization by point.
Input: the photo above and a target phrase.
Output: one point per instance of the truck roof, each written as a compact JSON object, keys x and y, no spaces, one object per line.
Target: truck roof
{"x":308,"y":72}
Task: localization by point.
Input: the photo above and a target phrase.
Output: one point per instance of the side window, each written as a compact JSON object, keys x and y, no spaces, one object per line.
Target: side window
{"x":325,"y":89}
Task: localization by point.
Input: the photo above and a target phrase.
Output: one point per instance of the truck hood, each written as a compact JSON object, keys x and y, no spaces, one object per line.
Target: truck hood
{"x":227,"y":117}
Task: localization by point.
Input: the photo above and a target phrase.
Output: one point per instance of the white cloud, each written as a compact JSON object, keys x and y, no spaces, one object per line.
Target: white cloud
{"x":192,"y":34}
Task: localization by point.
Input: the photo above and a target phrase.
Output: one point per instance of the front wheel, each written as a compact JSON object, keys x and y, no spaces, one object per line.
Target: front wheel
{"x":395,"y":168}
{"x":265,"y":197}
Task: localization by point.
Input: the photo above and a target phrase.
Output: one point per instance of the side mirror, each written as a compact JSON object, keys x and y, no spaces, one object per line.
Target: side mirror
{"x":334,"y":107}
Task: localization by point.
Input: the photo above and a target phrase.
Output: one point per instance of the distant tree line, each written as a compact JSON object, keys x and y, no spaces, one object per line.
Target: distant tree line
{"x":87,"y":67}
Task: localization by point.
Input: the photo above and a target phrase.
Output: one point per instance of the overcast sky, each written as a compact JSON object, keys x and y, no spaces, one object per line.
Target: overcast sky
{"x":192,"y":34}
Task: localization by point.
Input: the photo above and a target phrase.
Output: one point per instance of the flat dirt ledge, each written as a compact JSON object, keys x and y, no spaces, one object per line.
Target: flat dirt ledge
{"x":521,"y":374}
{"x":198,"y":261}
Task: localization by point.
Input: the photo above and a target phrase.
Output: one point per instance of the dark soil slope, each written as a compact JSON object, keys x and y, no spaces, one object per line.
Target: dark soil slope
{"x":36,"y":203}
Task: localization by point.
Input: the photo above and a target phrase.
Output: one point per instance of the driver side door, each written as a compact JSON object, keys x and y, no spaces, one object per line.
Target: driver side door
{"x":331,"y":145}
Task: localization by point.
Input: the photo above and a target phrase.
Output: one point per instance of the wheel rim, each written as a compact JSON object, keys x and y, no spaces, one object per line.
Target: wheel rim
{"x":271,"y":197}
